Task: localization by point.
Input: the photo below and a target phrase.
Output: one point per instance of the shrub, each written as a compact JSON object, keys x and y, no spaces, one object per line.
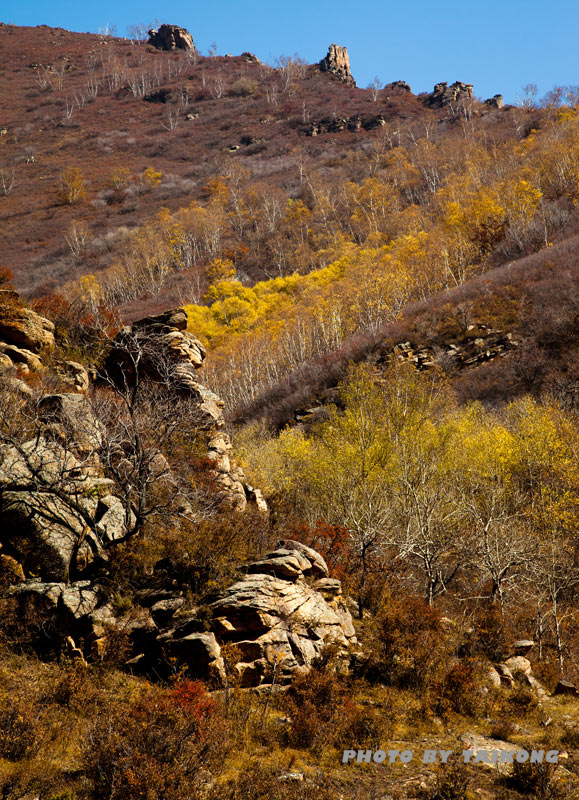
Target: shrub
{"x":323,"y":714}
{"x":461,"y":690}
{"x":156,"y":748}
{"x":408,"y":645}
{"x":258,"y":783}
{"x":19,"y":728}
{"x":244,"y":87}
{"x":151,"y":178}
{"x":451,"y":783}
{"x":536,"y":780}
{"x":6,"y":277}
{"x":523,"y":701}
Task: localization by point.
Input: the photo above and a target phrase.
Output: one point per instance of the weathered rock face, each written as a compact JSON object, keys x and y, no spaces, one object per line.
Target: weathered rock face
{"x":160,"y":347}
{"x":166,"y":352}
{"x":339,"y":124}
{"x":25,"y":336}
{"x":251,"y":58}
{"x":274,"y":622}
{"x":444,"y":95}
{"x":171,"y":37}
{"x":482,"y":344}
{"x":400,"y":86}
{"x":24,"y":328}
{"x":282,"y":614}
{"x":73,"y":375}
{"x":337,"y":62}
{"x":496,"y":101}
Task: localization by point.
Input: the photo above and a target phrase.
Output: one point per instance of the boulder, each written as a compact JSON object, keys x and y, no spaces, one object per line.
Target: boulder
{"x":111,"y":518}
{"x":83,"y":431}
{"x":494,"y":677}
{"x":278,"y":621}
{"x":518,"y":665}
{"x":171,"y":37}
{"x":73,"y":602}
{"x":37,"y":463}
{"x":523,"y":646}
{"x":26,"y":329}
{"x":251,"y":58}
{"x":161,"y":347}
{"x":173,"y":319}
{"x":337,"y":63}
{"x":566,"y":688}
{"x":318,"y":566}
{"x":198,"y":651}
{"x":48,"y":537}
{"x":400,"y":86}
{"x":20,"y":357}
{"x":506,"y":676}
{"x":73,"y":375}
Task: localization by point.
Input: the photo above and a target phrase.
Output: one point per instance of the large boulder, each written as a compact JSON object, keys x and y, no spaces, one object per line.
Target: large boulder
{"x":83,"y":432}
{"x":25,"y":360}
{"x":51,"y":518}
{"x":279,"y":621}
{"x":46,"y":535}
{"x":73,"y":375}
{"x":171,"y":37}
{"x":159,"y":348}
{"x":337,"y":63}
{"x":23,"y":327}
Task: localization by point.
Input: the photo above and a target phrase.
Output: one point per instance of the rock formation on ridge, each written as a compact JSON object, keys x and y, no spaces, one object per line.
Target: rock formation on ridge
{"x":444,"y":95}
{"x":337,"y":62}
{"x":171,"y":37}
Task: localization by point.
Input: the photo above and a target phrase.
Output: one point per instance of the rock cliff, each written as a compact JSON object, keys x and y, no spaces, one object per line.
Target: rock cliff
{"x":337,"y":63}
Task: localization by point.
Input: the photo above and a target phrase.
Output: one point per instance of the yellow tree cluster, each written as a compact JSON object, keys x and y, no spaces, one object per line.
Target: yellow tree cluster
{"x":462,"y":499}
{"x":347,"y":254}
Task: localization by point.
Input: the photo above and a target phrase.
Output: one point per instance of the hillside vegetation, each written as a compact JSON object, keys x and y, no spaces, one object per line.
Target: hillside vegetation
{"x":330,"y":502}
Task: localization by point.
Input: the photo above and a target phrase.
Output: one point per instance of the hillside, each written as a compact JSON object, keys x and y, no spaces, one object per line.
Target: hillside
{"x":288,"y":430}
{"x":80,"y":101}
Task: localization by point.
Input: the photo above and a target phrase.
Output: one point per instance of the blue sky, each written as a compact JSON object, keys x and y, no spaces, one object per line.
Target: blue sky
{"x":497,"y":46}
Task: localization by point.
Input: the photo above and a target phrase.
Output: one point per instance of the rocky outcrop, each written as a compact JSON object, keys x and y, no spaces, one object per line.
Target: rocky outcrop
{"x":339,"y":124}
{"x":251,"y":58}
{"x":25,"y":336}
{"x":337,"y":63}
{"x":23,"y":327}
{"x":444,"y":95}
{"x":171,"y":37}
{"x":482,"y":344}
{"x":282,"y":614}
{"x":398,"y":86}
{"x":277,"y":620}
{"x":72,"y":375}
{"x":496,"y":101}
{"x":162,"y":350}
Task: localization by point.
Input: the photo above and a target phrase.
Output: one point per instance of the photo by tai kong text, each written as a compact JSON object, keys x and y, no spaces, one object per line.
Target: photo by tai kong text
{"x":442,"y":756}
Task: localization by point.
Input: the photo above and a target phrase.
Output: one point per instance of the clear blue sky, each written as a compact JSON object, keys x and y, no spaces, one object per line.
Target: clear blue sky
{"x":498,"y":45}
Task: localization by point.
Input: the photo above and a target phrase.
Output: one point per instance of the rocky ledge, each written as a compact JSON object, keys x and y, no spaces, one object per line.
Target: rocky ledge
{"x":278,"y":619}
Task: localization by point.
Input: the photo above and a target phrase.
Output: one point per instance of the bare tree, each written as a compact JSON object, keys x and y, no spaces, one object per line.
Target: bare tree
{"x":555,"y":579}
{"x":7,"y":180}
{"x":502,"y":547}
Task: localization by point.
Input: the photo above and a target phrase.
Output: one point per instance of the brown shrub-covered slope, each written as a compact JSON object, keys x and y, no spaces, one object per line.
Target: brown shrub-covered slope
{"x":113,"y":108}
